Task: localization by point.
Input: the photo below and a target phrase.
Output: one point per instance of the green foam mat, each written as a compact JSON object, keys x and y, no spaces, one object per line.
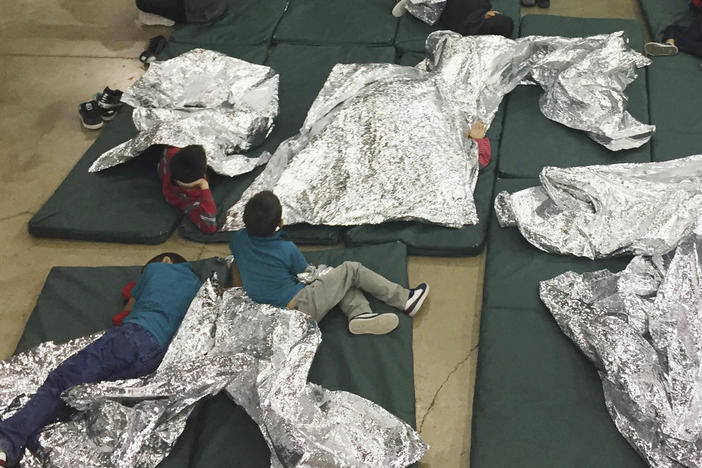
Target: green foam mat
{"x":338,"y":21}
{"x":675,"y":106}
{"x":661,"y":14}
{"x":120,"y":204}
{"x":79,"y":301}
{"x":433,"y":240}
{"x":530,"y":141}
{"x":246,"y":22}
{"x":412,"y":33}
{"x":303,"y":69}
{"x":538,"y":400}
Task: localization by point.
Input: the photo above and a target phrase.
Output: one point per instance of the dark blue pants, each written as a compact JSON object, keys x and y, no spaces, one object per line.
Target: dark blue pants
{"x":122,"y":352}
{"x":689,"y":38}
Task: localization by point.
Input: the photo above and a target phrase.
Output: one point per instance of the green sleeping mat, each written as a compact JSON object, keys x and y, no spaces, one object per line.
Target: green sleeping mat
{"x":530,"y":141}
{"x":412,"y":33}
{"x":121,"y":204}
{"x":247,"y":22}
{"x":338,"y":22}
{"x":79,"y":301}
{"x":674,"y":96}
{"x":538,"y":400}
{"x":303,"y":69}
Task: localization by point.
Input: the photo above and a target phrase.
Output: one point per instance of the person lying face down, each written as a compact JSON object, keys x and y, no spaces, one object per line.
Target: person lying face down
{"x":476,"y":17}
{"x":267,"y":265}
{"x":183,"y":174}
{"x":159,"y":300}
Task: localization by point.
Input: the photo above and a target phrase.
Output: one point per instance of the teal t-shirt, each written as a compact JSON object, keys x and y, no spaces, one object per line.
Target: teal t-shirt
{"x":162,"y":296}
{"x":268,"y":266}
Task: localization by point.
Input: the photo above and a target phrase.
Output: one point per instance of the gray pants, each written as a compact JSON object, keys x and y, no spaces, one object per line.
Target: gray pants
{"x":343,"y":286}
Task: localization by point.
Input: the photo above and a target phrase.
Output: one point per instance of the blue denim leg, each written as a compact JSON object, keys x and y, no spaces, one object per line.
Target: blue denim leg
{"x":121,"y":353}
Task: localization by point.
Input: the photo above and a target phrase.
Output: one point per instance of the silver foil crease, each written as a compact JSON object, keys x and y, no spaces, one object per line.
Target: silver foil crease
{"x":260,"y":354}
{"x":203,"y":98}
{"x":386,"y":142}
{"x":642,"y":328}
{"x":428,"y":11}
{"x":601,"y":211}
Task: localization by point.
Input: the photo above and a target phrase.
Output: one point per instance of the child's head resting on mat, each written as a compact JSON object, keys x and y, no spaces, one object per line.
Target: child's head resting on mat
{"x":166,"y":257}
{"x":189,"y":164}
{"x":263,"y":214}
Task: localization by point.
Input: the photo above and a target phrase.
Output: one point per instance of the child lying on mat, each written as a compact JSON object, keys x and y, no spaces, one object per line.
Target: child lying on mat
{"x":268,"y":264}
{"x":158,"y":303}
{"x":676,"y":37}
{"x":183,"y":174}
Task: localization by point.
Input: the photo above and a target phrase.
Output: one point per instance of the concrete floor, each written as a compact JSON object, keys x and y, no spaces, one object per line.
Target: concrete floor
{"x":55,"y":54}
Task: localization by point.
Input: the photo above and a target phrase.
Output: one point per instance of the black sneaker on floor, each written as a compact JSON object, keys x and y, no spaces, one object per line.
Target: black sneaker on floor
{"x":156,"y":45}
{"x":90,"y":115}
{"x":110,"y":99}
{"x":416,"y":299}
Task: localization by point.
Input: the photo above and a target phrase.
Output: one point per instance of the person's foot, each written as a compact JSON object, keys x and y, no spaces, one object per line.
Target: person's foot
{"x":657,"y":49}
{"x":543,"y":3}
{"x":90,"y":115}
{"x":416,"y":299}
{"x":400,"y":9}
{"x":156,"y":45}
{"x":528,"y":3}
{"x":150,"y":19}
{"x":373,"y":324}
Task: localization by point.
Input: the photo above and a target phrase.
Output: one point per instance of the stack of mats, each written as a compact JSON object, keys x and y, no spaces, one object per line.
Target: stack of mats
{"x":79,"y":301}
{"x":674,"y":87}
{"x":538,"y":400}
{"x":302,"y":40}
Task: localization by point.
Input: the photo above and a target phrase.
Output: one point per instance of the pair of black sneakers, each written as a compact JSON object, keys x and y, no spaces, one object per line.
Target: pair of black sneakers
{"x":93,"y":114}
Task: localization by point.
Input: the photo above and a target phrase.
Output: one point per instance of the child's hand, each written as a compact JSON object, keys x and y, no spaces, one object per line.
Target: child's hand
{"x":196,"y":184}
{"x":491,"y":13}
{"x":478,"y":131}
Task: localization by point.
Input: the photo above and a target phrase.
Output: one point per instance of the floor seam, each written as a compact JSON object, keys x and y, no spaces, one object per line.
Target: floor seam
{"x":7,"y":54}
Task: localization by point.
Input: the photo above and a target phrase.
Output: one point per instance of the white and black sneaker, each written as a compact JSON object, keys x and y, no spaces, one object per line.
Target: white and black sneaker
{"x":90,"y":115}
{"x":399,"y":9}
{"x":373,"y":324}
{"x":658,"y":49}
{"x":416,"y":299}
{"x":155,"y":47}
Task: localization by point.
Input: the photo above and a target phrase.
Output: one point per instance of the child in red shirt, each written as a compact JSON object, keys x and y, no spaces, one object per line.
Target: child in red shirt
{"x":183,"y":174}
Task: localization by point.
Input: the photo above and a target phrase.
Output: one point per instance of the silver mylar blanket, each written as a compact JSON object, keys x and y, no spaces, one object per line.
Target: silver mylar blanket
{"x":642,"y":328}
{"x":203,"y":98}
{"x":428,"y":11}
{"x":260,"y":354}
{"x":600,"y":211}
{"x":386,"y":142}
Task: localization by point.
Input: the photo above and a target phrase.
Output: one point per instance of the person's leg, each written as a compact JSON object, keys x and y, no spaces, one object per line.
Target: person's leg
{"x":171,"y":9}
{"x":498,"y":25}
{"x":112,"y":356}
{"x":689,"y":40}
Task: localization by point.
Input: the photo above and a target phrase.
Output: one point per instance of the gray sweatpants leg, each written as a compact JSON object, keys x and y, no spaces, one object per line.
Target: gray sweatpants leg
{"x":343,"y":286}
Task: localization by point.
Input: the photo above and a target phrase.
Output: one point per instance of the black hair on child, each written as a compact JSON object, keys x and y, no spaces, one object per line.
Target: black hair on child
{"x":175,"y":258}
{"x":189,"y":164}
{"x":262,"y":214}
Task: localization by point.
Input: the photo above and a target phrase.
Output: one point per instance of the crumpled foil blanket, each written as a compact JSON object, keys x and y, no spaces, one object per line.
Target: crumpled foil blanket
{"x":600,"y":211}
{"x":260,"y":354}
{"x":642,"y":329}
{"x":386,"y":142}
{"x":428,"y":11}
{"x":203,"y":98}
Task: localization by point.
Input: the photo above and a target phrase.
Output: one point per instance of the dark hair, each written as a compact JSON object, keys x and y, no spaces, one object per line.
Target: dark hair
{"x":262,"y":214}
{"x":189,"y":164}
{"x":499,"y":25}
{"x":175,"y":258}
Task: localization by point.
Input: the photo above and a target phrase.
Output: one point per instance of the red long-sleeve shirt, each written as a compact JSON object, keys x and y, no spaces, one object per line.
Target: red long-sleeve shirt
{"x":197,"y":204}
{"x":484,"y":151}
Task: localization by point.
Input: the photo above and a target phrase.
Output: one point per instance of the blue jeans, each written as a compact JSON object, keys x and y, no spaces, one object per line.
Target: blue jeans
{"x":122,"y":352}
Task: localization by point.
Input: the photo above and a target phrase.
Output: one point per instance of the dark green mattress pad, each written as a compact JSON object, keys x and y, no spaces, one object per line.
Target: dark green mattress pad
{"x":412,"y":33}
{"x":538,"y":400}
{"x":78,"y":301}
{"x":530,"y":141}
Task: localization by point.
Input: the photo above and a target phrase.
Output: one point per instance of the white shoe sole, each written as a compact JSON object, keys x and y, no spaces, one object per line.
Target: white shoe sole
{"x":378,"y":325}
{"x":150,"y":19}
{"x":419,"y":303}
{"x":660,"y":49}
{"x":400,"y":9}
{"x":91,"y":127}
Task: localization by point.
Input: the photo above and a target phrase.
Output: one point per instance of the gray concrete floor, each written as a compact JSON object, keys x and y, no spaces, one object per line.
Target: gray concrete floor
{"x":56,"y":54}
